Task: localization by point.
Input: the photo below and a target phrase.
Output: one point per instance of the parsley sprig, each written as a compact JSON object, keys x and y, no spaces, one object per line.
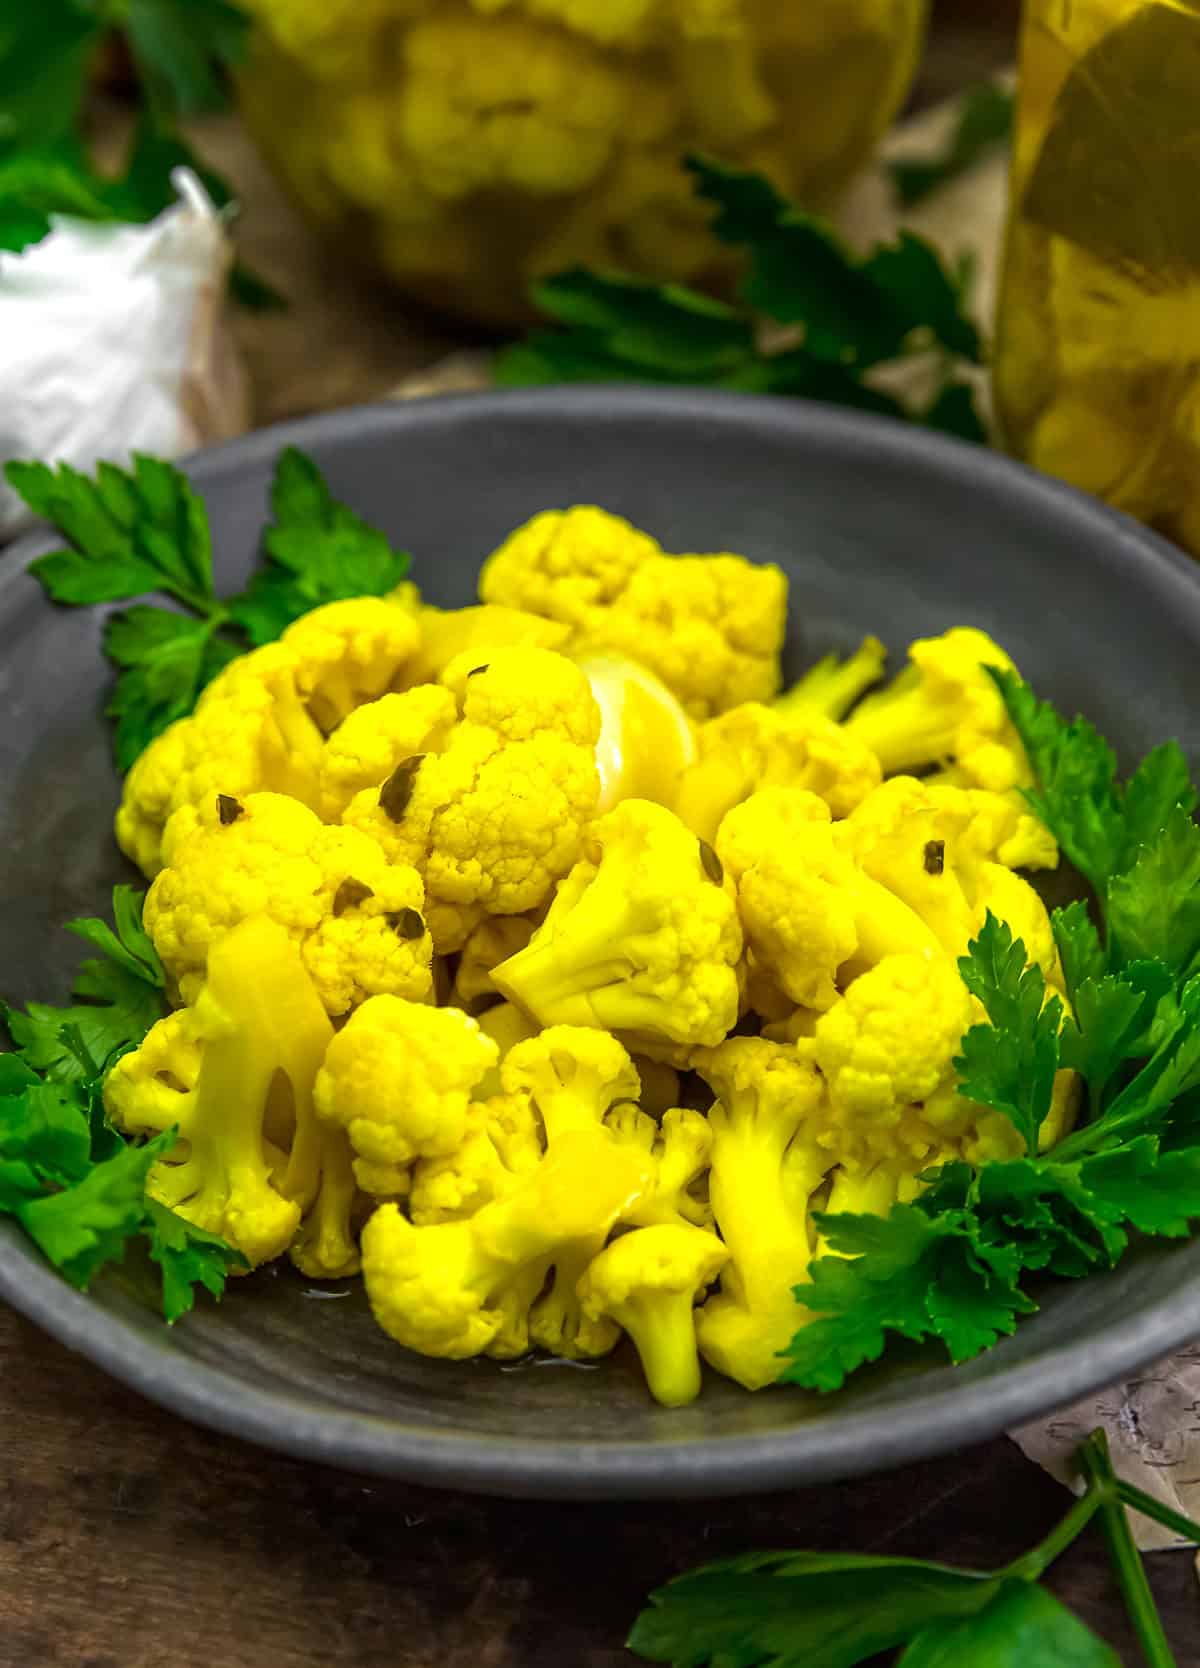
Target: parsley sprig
{"x":72,"y":1183}
{"x":950,"y":1266}
{"x":833,"y":1610}
{"x":137,"y":532}
{"x":840,"y":319}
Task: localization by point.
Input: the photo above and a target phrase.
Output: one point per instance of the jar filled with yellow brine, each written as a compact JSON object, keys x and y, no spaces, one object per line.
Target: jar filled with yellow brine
{"x":465,"y":147}
{"x":1097,"y":371}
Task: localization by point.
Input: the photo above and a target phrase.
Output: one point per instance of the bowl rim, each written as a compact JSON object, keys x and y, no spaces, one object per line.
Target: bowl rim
{"x":858,"y":1442}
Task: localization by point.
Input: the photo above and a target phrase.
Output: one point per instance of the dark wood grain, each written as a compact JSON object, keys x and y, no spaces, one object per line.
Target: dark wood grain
{"x":131,"y":1540}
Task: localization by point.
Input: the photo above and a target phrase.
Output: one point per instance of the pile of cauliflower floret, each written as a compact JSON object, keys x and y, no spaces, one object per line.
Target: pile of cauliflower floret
{"x":542,"y":960}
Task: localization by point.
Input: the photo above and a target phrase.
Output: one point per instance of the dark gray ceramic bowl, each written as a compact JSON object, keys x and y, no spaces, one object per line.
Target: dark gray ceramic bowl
{"x":882,"y":528}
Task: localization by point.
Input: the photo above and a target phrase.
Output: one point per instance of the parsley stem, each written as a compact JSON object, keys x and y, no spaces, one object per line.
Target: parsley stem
{"x":1032,"y":1565}
{"x":1127,"y":1560}
{"x":1160,"y":1512}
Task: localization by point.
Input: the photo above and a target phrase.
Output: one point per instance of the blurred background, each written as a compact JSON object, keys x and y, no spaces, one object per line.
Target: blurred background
{"x":373,"y":298}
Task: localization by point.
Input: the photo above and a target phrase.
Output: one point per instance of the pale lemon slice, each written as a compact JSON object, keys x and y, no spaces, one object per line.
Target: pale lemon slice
{"x":646,"y":738}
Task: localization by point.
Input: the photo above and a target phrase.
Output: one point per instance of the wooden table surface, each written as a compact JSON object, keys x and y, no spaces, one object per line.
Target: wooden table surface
{"x":131,"y":1540}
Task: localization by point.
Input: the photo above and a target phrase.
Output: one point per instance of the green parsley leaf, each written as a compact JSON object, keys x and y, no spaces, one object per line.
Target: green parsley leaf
{"x":34,"y":184}
{"x":1160,"y":783}
{"x":1079,"y":946}
{"x":910,"y":1273}
{"x":1154,"y":907}
{"x":984,"y":122}
{"x":318,"y":551}
{"x":188,"y":1257}
{"x":1021,"y":1626}
{"x":138,"y":532}
{"x":1076,"y":770}
{"x":45,"y":50}
{"x":130,"y":945}
{"x":181,"y":48}
{"x":44,"y":1137}
{"x":89,"y":1224}
{"x":853,"y":311}
{"x":121,"y":997}
{"x":1010,"y":1064}
{"x":849,"y":314}
{"x":801,"y":1610}
{"x":666,"y":328}
{"x":1172,"y":1071}
{"x":131,"y":532}
{"x":1101,"y":826}
{"x":1154,"y":1192}
{"x":166,"y":660}
{"x":1110,"y":1017}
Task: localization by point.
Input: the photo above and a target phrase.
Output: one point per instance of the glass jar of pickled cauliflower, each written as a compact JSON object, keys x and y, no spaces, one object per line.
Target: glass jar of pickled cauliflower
{"x":467,"y":146}
{"x":1097,"y":369}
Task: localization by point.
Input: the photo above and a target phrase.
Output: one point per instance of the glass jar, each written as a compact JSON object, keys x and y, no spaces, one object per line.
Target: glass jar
{"x":1097,"y":370}
{"x":467,"y":146}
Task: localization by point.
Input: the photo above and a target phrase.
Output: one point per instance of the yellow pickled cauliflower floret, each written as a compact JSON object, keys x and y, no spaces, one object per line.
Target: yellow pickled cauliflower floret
{"x":935,"y":848}
{"x":503,"y":1141}
{"x":647,"y":1283}
{"x":335,"y":38}
{"x":497,"y":816}
{"x":680,"y":1147}
{"x":755,"y":747}
{"x":810,"y":914}
{"x":251,"y":732}
{"x":944,"y":709}
{"x":350,"y":652}
{"x":891,"y":1040}
{"x":765,"y":1168}
{"x":711,"y":627}
{"x":642,"y":937}
{"x":368,"y":745}
{"x":447,"y":633}
{"x":492,"y":942}
{"x":251,"y":1166}
{"x":521,"y":107}
{"x":980,"y":825}
{"x":886,"y":1051}
{"x":356,"y":918}
{"x":459,"y":1288}
{"x":398,"y":1078}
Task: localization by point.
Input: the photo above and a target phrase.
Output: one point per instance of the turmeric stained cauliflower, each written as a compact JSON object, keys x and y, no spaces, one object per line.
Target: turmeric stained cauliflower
{"x":755,"y":747}
{"x":493,"y":941}
{"x":496,"y":817}
{"x":711,"y":627}
{"x":886,"y":1051}
{"x":458,"y":1288}
{"x":251,"y":732}
{"x":944,"y":709}
{"x":642,"y":937}
{"x":398,"y":1077}
{"x":811,"y":915}
{"x":475,"y":144}
{"x":235,"y":1073}
{"x":936,"y":849}
{"x":259,"y":725}
{"x":350,"y":652}
{"x":765,"y":1166}
{"x":647,"y":1284}
{"x":368,"y":744}
{"x":355,"y":917}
